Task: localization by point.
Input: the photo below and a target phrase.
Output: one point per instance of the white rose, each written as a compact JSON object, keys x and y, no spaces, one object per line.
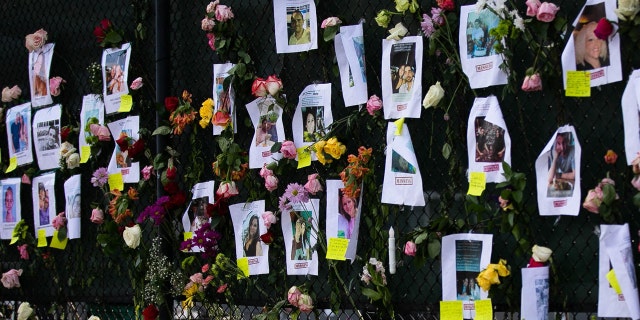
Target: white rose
{"x":73,"y":161}
{"x":66,"y":149}
{"x":132,"y":236}
{"x":397,"y":32}
{"x":434,"y":95}
{"x":627,"y":9}
{"x":24,"y":311}
{"x":93,"y":318}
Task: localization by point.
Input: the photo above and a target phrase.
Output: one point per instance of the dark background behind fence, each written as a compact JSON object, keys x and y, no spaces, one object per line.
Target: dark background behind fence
{"x":83,"y":281}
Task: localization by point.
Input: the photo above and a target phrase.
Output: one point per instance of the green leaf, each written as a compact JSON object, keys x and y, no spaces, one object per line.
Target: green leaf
{"x":609,"y":193}
{"x":372,"y":294}
{"x":330,"y":33}
{"x":276,"y":147}
{"x":511,"y":216}
{"x":421,"y":238}
{"x":446,"y":150}
{"x":433,"y":248}
{"x":162,"y":130}
{"x":517,"y":196}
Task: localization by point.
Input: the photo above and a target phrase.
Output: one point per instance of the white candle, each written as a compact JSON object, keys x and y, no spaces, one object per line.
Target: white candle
{"x":392,"y":251}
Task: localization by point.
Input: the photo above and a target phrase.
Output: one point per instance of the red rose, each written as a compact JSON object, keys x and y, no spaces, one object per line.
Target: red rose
{"x":105,"y":23}
{"x":136,"y":148}
{"x":267,"y":238}
{"x":123,"y":142}
{"x":176,"y":200}
{"x":150,"y":312}
{"x":603,"y":29}
{"x":220,"y":207}
{"x":64,"y":133}
{"x":171,"y":103}
{"x":447,"y":5}
{"x":99,"y":33}
{"x":171,"y":187}
{"x":171,"y":172}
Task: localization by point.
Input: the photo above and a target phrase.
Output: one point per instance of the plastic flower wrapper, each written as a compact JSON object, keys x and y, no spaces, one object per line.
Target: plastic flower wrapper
{"x":490,"y":275}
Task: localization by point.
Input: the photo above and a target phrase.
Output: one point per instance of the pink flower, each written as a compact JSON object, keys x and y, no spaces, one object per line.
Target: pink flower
{"x":532,"y":7}
{"x":196,"y":278}
{"x":223,"y":13}
{"x":293,"y":295}
{"x":25,"y":179}
{"x":147,"y":171}
{"x":265,"y":172}
{"x":532,"y":83}
{"x":227,"y":189}
{"x":35,"y":40}
{"x":269,"y":218}
{"x":288,"y":150}
{"x":222,"y":288}
{"x":271,"y":183}
{"x":374,"y":104}
{"x":10,"y":279}
{"x":273,"y":84}
{"x":10,"y":94}
{"x":24,"y":253}
{"x":136,"y":84}
{"x":305,"y":303}
{"x":100,"y":131}
{"x":205,"y":268}
{"x":410,"y":248}
{"x":59,"y":221}
{"x":547,"y":12}
{"x":212,"y":41}
{"x":436,"y":16}
{"x":97,"y":216}
{"x":54,"y":85}
{"x":592,"y":202}
{"x":330,"y":22}
{"x":259,"y":88}
{"x":313,"y":186}
{"x":636,"y":182}
{"x":207,"y":24}
{"x":603,"y":29}
{"x":211,"y":7}
{"x":427,"y":25}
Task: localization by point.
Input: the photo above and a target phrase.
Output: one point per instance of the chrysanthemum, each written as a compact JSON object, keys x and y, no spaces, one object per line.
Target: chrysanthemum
{"x":100,"y":177}
{"x":296,"y":193}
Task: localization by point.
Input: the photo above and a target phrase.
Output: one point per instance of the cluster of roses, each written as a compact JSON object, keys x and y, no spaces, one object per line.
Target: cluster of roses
{"x":215,"y":12}
{"x":261,"y":87}
{"x":327,"y":149}
{"x":490,"y":275}
{"x":106,"y":34}
{"x":169,"y":181}
{"x":69,"y":156}
{"x":129,"y":148}
{"x":301,"y":300}
{"x":181,"y":112}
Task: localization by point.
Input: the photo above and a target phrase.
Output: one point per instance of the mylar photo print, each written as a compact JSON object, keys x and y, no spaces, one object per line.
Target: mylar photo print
{"x":296,"y":25}
{"x":401,"y":74}
{"x":115,"y":72}
{"x":18,"y":123}
{"x":46,"y":133}
{"x":249,"y":226}
{"x":39,"y":69}
{"x":44,"y":202}
{"x":298,"y":225}
{"x":11,"y":206}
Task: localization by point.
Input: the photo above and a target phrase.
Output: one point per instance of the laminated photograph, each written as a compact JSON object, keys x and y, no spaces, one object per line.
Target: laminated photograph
{"x":349,"y":46}
{"x":266,"y":116}
{"x":402,"y":179}
{"x":73,"y":208}
{"x":39,"y":70}
{"x":586,"y":52}
{"x":115,"y":72}
{"x":223,"y":100}
{"x":618,"y":285}
{"x":401,"y":74}
{"x":46,"y":137}
{"x":296,"y":25}
{"x":464,"y":255}
{"x":126,"y":128}
{"x":11,"y":206}
{"x":196,"y":214}
{"x":299,"y":227}
{"x":312,"y":116}
{"x":92,"y":107}
{"x":249,"y":226}
{"x":631,"y":116}
{"x":478,"y":57}
{"x":558,"y":174}
{"x":343,"y":216}
{"x":534,"y":301}
{"x":44,"y":203}
{"x":18,"y":123}
{"x":488,"y":140}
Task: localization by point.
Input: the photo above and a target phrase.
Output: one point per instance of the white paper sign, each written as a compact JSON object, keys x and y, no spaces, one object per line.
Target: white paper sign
{"x":266,"y":116}
{"x":349,"y":46}
{"x":92,"y":107}
{"x":343,"y":216}
{"x":73,"y":208}
{"x":120,"y":160}
{"x":11,"y":206}
{"x":18,"y":122}
{"x":46,"y":133}
{"x":480,"y":62}
{"x":631,"y":116}
{"x":44,"y":202}
{"x":296,"y":25}
{"x":402,"y":179}
{"x":313,"y":115}
{"x":558,"y":174}
{"x":534,"y":301}
{"x":300,"y":237}
{"x":585,"y":52}
{"x":115,"y":72}
{"x":488,"y":140}
{"x":248,"y":226}
{"x":401,"y":74}
{"x":39,"y":70}
{"x":196,"y":214}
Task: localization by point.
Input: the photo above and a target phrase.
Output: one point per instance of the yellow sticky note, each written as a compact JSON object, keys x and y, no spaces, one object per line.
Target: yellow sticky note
{"x":243,"y":265}
{"x":451,"y":310}
{"x":85,"y":153}
{"x":304,"y":157}
{"x":477,"y":183}
{"x":42,"y":238}
{"x":126,"y":102}
{"x":188,"y":235}
{"x":484,"y":310}
{"x":613,"y":281}
{"x":56,"y":243}
{"x":337,"y":248}
{"x":13,"y":164}
{"x":578,"y":84}
{"x":399,"y":123}
{"x":14,"y":240}
{"x":116,"y":181}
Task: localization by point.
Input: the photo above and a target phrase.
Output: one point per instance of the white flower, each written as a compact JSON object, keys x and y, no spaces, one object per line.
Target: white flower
{"x":24,"y":311}
{"x":397,"y":32}
{"x":93,"y":318}
{"x":66,"y":149}
{"x":434,"y":95}
{"x":73,"y":161}
{"x":627,"y":9}
{"x":518,"y":22}
{"x":132,"y":236}
{"x":480,"y":5}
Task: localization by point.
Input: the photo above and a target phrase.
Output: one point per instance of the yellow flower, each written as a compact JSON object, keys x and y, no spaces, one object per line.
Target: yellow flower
{"x":334,"y":148}
{"x":189,"y":291}
{"x":489,"y":276}
{"x":206,"y":113}
{"x":318,"y":147}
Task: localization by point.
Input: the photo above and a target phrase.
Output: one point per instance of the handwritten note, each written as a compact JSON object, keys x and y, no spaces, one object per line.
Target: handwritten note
{"x":399,"y":123}
{"x":126,"y":102}
{"x":42,"y":238}
{"x":85,"y":153}
{"x":484,"y":310}
{"x":337,"y":248}
{"x":243,"y":265}
{"x":451,"y":310}
{"x":304,"y":157}
{"x":13,"y":164}
{"x":116,"y":181}
{"x":477,"y":183}
{"x":56,"y":243}
{"x":578,"y":84}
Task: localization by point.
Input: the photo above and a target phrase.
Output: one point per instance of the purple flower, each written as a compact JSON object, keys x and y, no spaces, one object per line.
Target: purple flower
{"x":296,"y":193}
{"x":427,"y":25}
{"x":204,"y":238}
{"x":436,"y":16}
{"x":100,"y":177}
{"x":283,"y":204}
{"x":155,"y":211}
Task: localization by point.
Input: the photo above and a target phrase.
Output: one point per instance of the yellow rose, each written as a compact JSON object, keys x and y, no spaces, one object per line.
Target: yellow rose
{"x":383,"y":18}
{"x":402,"y":5}
{"x":318,"y":147}
{"x":434,"y":95}
{"x":334,"y":148}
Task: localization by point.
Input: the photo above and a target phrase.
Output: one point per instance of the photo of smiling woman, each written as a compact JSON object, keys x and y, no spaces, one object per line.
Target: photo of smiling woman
{"x":251,"y":237}
{"x":591,"y":52}
{"x":348,"y":210}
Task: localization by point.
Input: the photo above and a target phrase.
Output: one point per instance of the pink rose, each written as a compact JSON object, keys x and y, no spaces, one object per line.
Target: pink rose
{"x":592,"y":202}
{"x":97,"y":216}
{"x":136,"y":84}
{"x":211,"y":7}
{"x":54,"y":85}
{"x":269,"y":218}
{"x":10,"y":279}
{"x":147,"y":171}
{"x":104,"y":134}
{"x":207,"y":24}
{"x":24,"y":252}
{"x":288,"y":150}
{"x":313,"y":186}
{"x":374,"y":104}
{"x":212,"y":41}
{"x":271,"y":183}
{"x":222,"y":288}
{"x":273,"y":84}
{"x":196,"y":278}
{"x":410,"y":248}
{"x":223,"y":13}
{"x":265,"y":172}
{"x":294,"y":295}
{"x":59,"y":221}
{"x":305,"y":303}
{"x":532,"y":7}
{"x":206,"y":280}
{"x":547,"y":12}
{"x":25,"y":179}
{"x":10,"y":94}
{"x":35,"y":40}
{"x":636,"y":182}
{"x":330,"y":22}
{"x":532,"y":83}
{"x":259,"y":88}
{"x":227,"y":190}
{"x":205,"y":268}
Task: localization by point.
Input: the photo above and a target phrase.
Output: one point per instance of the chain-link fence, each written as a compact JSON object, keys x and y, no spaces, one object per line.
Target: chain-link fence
{"x":82,"y":280}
